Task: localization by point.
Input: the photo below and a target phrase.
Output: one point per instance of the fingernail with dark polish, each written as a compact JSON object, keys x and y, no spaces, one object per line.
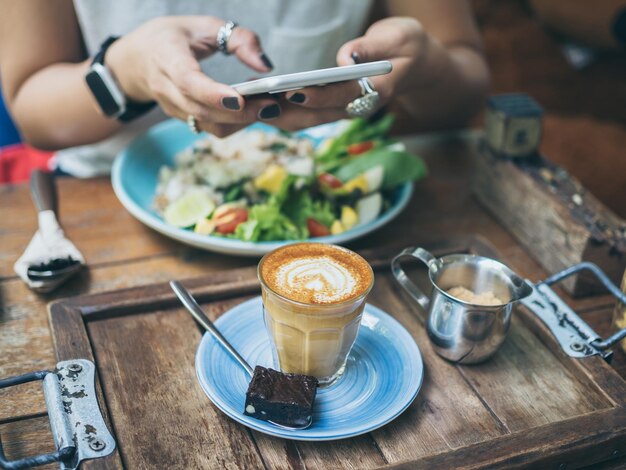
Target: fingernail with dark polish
{"x":355,"y":57}
{"x":266,"y":60}
{"x":297,"y":98}
{"x":231,"y":102}
{"x":270,"y":112}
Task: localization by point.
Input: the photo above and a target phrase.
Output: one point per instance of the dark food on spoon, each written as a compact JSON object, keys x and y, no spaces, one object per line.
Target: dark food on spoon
{"x":53,"y":264}
{"x":285,"y":399}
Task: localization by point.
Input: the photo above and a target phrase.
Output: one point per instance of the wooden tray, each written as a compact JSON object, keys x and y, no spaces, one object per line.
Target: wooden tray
{"x":530,"y":405}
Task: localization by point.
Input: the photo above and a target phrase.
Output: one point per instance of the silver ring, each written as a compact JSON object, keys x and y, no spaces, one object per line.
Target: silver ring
{"x":366,"y":104}
{"x":223,"y":36}
{"x":193,"y":124}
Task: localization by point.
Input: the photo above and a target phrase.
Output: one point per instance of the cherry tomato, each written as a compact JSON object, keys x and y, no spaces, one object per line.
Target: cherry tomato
{"x":326,"y":179}
{"x":361,"y":147}
{"x":316,"y":229}
{"x":228,"y":221}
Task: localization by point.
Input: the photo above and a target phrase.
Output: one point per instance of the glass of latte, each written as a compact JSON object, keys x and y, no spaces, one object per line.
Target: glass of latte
{"x":313,"y":299}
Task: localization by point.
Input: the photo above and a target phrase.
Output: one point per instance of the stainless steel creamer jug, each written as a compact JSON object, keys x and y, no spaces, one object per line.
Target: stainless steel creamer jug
{"x":460,"y":331}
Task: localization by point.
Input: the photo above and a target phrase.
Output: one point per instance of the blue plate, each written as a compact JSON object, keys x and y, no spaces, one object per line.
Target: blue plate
{"x":135,"y":176}
{"x":382,"y":378}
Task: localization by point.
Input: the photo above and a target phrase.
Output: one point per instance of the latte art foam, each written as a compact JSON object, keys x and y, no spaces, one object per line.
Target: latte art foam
{"x":323,"y":278}
{"x":315,"y":273}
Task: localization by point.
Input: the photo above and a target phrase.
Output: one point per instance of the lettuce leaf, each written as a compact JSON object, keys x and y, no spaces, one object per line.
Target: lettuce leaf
{"x":301,"y":205}
{"x":399,"y":167}
{"x":266,"y":223}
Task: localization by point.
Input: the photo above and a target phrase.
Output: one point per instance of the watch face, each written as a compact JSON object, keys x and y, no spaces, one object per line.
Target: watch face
{"x":102,"y":94}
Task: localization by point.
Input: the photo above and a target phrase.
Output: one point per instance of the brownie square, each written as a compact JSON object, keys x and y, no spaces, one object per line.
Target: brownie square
{"x":283,"y":398}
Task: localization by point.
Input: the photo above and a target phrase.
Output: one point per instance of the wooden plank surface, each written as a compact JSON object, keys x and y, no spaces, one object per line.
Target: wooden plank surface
{"x":522,"y":57}
{"x":190,"y":434}
{"x":441,"y":207}
{"x":556,"y":228}
{"x":92,"y":217}
{"x":145,"y":256}
{"x":70,"y":342}
{"x":27,"y":438}
{"x":524,"y":388}
{"x":534,"y":448}
{"x":24,"y":330}
{"x":431,"y":425}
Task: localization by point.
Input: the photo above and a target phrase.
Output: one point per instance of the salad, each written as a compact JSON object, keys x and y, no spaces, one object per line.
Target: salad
{"x":274,"y":186}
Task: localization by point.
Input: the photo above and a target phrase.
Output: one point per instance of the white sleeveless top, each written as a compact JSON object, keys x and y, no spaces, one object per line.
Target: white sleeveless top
{"x":297,"y":35}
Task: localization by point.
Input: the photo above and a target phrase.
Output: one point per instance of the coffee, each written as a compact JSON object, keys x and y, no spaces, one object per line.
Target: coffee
{"x":313,"y":273}
{"x":313,"y":297}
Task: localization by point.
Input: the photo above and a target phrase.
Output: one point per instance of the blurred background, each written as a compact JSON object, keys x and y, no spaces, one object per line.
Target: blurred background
{"x":567,"y":55}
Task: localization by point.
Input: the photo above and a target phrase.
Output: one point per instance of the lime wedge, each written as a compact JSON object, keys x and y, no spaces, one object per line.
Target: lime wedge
{"x":189,"y":209}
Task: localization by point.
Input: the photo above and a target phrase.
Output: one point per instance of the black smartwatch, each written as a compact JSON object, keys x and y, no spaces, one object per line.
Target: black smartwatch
{"x":108,"y":93}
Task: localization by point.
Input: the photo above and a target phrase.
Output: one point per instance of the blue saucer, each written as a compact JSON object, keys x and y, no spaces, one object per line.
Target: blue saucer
{"x":383,"y":375}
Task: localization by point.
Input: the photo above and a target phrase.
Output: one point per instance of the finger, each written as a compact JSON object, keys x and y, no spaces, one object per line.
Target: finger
{"x":390,"y":37}
{"x":215,"y":96}
{"x":355,"y":49}
{"x":217,"y":129}
{"x":295,"y":117}
{"x":185,"y":72}
{"x":170,"y":94}
{"x":246,"y":46}
{"x":365,"y":49}
{"x":243,"y":43}
{"x":335,"y":95}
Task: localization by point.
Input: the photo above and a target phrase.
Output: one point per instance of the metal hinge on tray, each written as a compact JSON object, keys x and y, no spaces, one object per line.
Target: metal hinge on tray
{"x":577,"y":339}
{"x":76,"y":422}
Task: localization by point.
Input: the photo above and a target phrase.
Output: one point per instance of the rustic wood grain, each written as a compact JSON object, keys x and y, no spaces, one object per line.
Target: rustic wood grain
{"x":359,"y":452}
{"x":441,"y":207}
{"x":607,"y":381}
{"x":588,"y":439}
{"x":27,"y":438}
{"x":489,"y":402}
{"x":139,"y":370}
{"x":522,"y":57}
{"x":526,"y":386}
{"x":546,"y":225}
{"x":70,"y":342}
{"x":24,"y":329}
{"x":26,"y":346}
{"x":431,"y":425}
{"x":92,"y":217}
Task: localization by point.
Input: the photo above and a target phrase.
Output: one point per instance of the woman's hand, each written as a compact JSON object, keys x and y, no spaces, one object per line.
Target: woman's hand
{"x":159,"y":62}
{"x":399,"y":40}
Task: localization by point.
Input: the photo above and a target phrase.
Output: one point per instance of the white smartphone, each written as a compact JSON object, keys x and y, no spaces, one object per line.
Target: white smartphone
{"x":295,"y":81}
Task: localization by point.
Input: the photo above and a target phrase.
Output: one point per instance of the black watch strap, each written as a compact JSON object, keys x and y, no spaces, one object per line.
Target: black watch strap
{"x":133,"y":109}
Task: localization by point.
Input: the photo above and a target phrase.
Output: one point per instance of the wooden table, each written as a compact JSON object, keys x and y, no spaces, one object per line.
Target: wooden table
{"x":121,"y":252}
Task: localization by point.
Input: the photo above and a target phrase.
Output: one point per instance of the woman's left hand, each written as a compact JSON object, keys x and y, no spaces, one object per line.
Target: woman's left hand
{"x":400,"y":40}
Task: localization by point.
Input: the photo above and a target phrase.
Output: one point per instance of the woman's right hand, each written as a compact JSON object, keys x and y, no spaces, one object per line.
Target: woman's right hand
{"x":159,"y":62}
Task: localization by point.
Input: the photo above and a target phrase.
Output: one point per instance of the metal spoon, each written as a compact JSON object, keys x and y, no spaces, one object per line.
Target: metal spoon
{"x":192,"y":306}
{"x":45,"y":271}
{"x":51,"y":274}
{"x":46,"y":279}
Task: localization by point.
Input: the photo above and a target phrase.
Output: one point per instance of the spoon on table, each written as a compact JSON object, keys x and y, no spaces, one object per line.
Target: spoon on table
{"x":192,"y":307}
{"x":50,"y":258}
